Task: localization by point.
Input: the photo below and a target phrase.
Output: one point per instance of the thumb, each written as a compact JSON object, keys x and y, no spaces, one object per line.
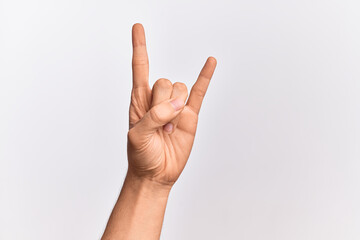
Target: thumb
{"x":159,"y":115}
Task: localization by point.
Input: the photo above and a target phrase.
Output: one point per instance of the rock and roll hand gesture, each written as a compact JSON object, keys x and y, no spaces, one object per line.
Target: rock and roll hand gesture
{"x":162,"y":127}
{"x":162,"y":123}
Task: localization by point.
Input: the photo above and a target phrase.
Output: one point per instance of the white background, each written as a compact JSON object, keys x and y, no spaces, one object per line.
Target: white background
{"x":276,"y":155}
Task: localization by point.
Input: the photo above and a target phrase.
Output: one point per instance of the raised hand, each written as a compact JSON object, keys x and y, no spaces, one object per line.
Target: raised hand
{"x":161,"y":133}
{"x":162,"y":126}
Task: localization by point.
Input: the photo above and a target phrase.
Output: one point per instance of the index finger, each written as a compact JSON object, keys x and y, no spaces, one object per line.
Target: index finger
{"x":140,"y":61}
{"x":198,"y":90}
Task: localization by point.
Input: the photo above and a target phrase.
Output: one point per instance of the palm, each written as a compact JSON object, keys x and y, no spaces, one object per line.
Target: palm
{"x":161,"y":155}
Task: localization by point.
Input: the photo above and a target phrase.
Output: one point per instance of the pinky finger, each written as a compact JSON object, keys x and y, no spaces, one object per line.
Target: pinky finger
{"x":199,"y":89}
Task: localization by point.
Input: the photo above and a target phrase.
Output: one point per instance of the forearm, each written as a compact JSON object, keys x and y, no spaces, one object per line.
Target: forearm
{"x":139,"y":211}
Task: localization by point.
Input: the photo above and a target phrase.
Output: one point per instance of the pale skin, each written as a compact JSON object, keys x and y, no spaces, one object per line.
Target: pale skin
{"x":162,"y":127}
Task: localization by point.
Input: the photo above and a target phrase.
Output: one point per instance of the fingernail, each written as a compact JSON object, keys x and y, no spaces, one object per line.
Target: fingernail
{"x":177,"y":104}
{"x":168,"y":127}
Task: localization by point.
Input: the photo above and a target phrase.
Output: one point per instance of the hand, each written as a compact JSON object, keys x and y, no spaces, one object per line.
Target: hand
{"x":161,"y":134}
{"x":161,"y":126}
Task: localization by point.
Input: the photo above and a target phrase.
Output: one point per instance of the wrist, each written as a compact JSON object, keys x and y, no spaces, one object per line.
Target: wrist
{"x":146,"y":186}
{"x":139,"y":211}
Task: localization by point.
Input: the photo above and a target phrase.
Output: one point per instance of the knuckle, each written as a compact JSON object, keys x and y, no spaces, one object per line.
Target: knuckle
{"x":198,"y":91}
{"x":155,"y":115}
{"x":132,"y":136}
{"x":140,"y":61}
{"x":181,"y":86}
{"x":163,"y":83}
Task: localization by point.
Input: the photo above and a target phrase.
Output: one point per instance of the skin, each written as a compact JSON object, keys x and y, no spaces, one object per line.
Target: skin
{"x":162,"y":127}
